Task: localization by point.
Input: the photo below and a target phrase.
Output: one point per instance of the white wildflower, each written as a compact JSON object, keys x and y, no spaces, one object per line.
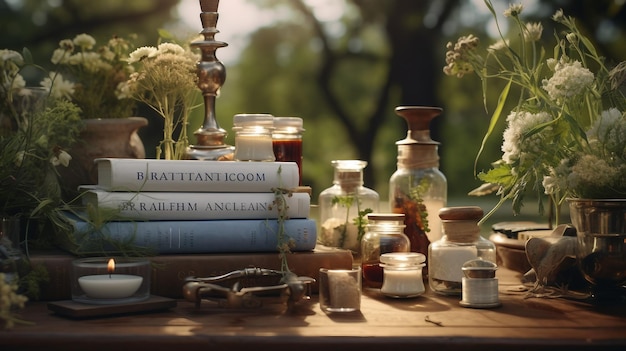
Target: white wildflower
{"x":515,"y":142}
{"x":593,"y":170}
{"x":61,"y":159}
{"x":533,"y":31}
{"x":558,"y":16}
{"x":85,"y":41}
{"x":57,"y":86}
{"x":609,"y":130}
{"x":499,"y":45}
{"x":18,"y":82}
{"x":60,"y":56}
{"x":514,"y":10}
{"x":170,"y":48}
{"x":142,"y":53}
{"x":572,"y":38}
{"x":569,"y":80}
{"x":10,"y":56}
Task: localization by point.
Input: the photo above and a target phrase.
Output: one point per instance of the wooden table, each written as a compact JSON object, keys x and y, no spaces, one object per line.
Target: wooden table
{"x":429,"y":322}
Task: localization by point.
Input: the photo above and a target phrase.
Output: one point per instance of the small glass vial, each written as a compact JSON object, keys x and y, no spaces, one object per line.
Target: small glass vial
{"x":461,"y":242}
{"x":343,"y":206}
{"x":402,"y":274}
{"x":385,"y":233}
{"x":253,"y":137}
{"x":287,"y":140}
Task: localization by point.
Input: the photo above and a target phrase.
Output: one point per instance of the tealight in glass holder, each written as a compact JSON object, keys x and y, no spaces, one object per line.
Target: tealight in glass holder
{"x":107,"y":281}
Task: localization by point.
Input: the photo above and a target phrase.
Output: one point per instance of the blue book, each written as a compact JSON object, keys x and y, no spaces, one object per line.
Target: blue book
{"x":200,"y":236}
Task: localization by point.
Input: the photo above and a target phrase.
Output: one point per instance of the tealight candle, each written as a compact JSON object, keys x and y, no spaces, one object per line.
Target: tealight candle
{"x":110,"y":286}
{"x":102,"y":281}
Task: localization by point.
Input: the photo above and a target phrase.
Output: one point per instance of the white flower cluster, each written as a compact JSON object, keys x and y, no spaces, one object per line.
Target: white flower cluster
{"x":517,"y":144}
{"x":570,"y":79}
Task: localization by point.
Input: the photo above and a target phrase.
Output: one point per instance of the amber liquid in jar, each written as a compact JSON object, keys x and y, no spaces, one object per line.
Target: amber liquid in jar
{"x":289,"y":150}
{"x":372,"y":275}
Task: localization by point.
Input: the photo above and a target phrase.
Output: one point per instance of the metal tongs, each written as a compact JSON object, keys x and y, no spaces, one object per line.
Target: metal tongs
{"x":244,"y":292}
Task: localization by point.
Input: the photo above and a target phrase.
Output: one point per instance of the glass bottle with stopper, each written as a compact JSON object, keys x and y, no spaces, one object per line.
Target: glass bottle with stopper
{"x":418,"y":189}
{"x":461,"y":242}
{"x":344,"y":206}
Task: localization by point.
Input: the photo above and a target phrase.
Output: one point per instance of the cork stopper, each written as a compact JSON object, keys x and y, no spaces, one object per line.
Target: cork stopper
{"x":460,"y":224}
{"x":461,"y":213}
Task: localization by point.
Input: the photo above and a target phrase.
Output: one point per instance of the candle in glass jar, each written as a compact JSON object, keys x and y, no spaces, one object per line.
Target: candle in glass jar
{"x":110,"y":286}
{"x":253,"y":137}
{"x":402,"y":274}
{"x":287,"y":140}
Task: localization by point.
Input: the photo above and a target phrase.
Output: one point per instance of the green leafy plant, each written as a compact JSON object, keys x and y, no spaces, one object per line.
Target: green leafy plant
{"x":566,"y":137}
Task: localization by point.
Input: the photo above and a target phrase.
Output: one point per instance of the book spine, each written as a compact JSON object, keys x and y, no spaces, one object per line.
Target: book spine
{"x":168,"y":237}
{"x":121,"y":174}
{"x":197,"y":206}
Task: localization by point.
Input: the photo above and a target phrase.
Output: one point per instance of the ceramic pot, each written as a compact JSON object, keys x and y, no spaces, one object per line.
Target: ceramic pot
{"x":601,"y":232}
{"x":115,"y":138}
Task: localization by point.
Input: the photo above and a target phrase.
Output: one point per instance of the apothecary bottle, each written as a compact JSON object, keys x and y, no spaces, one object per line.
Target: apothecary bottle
{"x":385,"y":234}
{"x":253,"y":137}
{"x":418,"y":189}
{"x":461,"y":242}
{"x":343,"y":206}
{"x":287,"y":140}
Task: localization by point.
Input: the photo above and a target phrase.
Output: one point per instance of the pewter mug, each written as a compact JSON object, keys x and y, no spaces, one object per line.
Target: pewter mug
{"x":601,"y":233}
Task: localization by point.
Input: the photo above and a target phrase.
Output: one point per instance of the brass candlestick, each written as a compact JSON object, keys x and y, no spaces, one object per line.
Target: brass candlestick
{"x":211,"y":76}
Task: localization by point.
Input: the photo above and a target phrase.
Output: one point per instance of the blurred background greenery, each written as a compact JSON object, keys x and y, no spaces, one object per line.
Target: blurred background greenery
{"x":341,"y":65}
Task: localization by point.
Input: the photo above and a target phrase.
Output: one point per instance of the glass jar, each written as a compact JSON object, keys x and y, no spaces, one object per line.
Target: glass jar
{"x":253,"y":137}
{"x":460,"y":243}
{"x":343,"y":206}
{"x":385,"y":233}
{"x":402,"y":274}
{"x":417,"y":188}
{"x":287,"y":140}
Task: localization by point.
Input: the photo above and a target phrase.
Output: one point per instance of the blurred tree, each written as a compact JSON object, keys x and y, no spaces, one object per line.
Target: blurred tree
{"x":345,"y":78}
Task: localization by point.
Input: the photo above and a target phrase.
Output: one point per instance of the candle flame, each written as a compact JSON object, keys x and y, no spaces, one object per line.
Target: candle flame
{"x":111,"y":266}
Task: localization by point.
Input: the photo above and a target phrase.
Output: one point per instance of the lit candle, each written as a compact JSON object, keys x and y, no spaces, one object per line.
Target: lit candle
{"x":110,"y":286}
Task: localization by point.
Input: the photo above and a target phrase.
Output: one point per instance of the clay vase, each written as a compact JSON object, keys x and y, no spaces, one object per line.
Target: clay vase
{"x":114,"y":138}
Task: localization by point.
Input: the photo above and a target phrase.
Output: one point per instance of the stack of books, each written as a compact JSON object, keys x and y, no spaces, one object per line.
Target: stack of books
{"x":200,"y":218}
{"x":175,"y":207}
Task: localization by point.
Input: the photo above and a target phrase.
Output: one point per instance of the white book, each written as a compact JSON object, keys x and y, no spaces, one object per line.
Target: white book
{"x":195,"y":206}
{"x":125,"y":174}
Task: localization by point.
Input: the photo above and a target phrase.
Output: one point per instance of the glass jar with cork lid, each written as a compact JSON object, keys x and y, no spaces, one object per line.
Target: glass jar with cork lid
{"x":460,"y":243}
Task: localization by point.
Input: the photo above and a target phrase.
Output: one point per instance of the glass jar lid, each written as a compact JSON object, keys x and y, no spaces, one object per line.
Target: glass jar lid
{"x":402,"y":259}
{"x":288,"y":124}
{"x":253,"y":120}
